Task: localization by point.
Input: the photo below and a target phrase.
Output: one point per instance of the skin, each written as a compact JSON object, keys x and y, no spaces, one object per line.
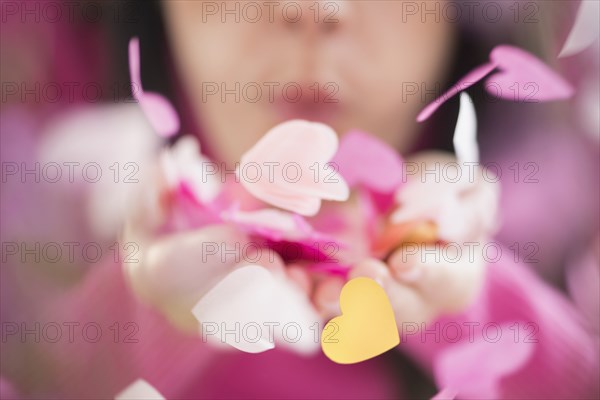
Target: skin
{"x":361,"y":61}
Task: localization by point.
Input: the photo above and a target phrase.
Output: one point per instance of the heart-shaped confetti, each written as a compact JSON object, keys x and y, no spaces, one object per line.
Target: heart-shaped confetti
{"x":366,"y":328}
{"x":289,"y":167}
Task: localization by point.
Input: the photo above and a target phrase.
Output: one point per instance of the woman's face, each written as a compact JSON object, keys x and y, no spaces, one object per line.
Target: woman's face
{"x":247,"y":66}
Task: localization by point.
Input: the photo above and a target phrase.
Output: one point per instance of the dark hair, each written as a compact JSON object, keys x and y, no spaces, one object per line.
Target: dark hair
{"x":146,"y":23}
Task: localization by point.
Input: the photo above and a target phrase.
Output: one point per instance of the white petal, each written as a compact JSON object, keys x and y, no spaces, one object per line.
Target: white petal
{"x":585,"y":31}
{"x":249,"y":308}
{"x":111,"y":150}
{"x":139,"y":390}
{"x":465,"y":134}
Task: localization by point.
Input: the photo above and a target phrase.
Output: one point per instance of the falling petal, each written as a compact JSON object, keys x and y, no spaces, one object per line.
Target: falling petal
{"x":585,"y":31}
{"x":307,"y":147}
{"x":524,"y":77}
{"x":521,"y":77}
{"x":466,"y":82}
{"x":134,"y":65}
{"x":465,"y":134}
{"x":140,"y":390}
{"x":247,"y":301}
{"x":160,"y":112}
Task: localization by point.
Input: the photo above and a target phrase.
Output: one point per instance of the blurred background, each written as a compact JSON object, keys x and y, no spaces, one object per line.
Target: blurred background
{"x":70,"y":326}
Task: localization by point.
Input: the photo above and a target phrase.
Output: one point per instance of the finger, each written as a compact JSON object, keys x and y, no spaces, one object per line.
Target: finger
{"x":327,"y":296}
{"x":371,"y":268}
{"x":449,"y":281}
{"x":407,"y":303}
{"x":299,"y":275}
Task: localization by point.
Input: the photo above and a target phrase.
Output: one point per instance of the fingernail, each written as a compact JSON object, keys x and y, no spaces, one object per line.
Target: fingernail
{"x":410,"y":274}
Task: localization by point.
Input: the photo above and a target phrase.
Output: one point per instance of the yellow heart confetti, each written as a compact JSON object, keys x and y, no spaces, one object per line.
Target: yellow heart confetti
{"x":366,"y":328}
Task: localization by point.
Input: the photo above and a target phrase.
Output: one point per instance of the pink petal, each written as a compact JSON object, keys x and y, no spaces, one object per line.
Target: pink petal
{"x":307,"y":148}
{"x":523,"y":77}
{"x":303,"y":205}
{"x":291,"y":237}
{"x":159,"y":111}
{"x":467,"y":81}
{"x":134,"y":66}
{"x":363,"y":159}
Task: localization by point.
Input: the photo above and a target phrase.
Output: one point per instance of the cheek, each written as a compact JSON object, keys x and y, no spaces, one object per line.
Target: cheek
{"x":414,"y":62}
{"x":209,"y":51}
{"x":373,"y":57}
{"x":401,"y":71}
{"x":213,"y":58}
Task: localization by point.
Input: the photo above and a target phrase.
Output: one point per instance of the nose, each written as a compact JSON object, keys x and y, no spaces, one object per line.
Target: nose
{"x":313,"y":18}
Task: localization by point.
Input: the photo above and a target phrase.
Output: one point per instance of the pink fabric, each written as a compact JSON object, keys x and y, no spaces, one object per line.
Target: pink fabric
{"x":181,"y":366}
{"x":583,"y":282}
{"x":279,"y":375}
{"x":166,"y":358}
{"x":564,"y":363}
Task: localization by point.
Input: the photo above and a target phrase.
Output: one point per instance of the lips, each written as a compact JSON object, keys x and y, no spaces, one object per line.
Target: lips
{"x":311,"y":103}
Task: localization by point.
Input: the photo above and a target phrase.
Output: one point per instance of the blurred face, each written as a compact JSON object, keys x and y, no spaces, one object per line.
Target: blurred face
{"x":247,"y":66}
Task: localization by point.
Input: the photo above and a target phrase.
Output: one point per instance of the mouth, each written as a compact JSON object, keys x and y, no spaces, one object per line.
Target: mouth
{"x":317,"y":106}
